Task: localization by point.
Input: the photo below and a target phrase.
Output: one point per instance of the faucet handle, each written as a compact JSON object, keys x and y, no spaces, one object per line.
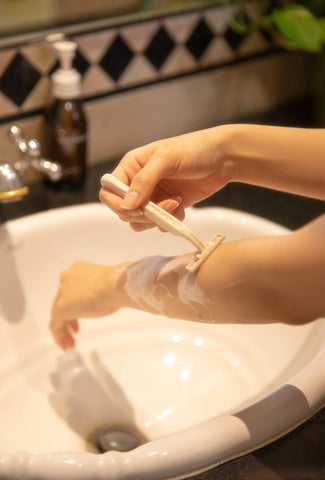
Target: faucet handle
{"x":16,"y":137}
{"x":15,"y":132}
{"x":51,"y":169}
{"x":34,"y":148}
{"x":32,"y":155}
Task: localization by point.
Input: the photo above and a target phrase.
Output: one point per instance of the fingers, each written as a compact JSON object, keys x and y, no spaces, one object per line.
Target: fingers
{"x":63,"y":330}
{"x":114,"y":203}
{"x":142,"y":186}
{"x":74,"y":325}
{"x":143,"y":168}
{"x":63,"y":333}
{"x":169,"y":205}
{"x":137,"y":220}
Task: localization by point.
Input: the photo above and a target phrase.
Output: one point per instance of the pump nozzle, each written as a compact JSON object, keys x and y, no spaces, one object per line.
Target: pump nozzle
{"x":66,"y":80}
{"x":65,"y":51}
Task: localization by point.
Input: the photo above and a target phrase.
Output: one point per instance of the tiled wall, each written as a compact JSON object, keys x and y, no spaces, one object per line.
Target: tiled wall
{"x":132,"y":69}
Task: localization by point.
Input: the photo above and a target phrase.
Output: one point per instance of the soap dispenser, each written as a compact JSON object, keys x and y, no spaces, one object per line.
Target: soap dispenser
{"x":65,"y":121}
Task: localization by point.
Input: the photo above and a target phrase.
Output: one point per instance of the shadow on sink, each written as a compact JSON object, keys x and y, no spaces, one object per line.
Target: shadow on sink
{"x":12,"y":306}
{"x":89,"y":399}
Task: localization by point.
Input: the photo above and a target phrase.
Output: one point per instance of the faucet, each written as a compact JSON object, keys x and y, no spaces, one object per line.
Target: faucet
{"x":12,"y":186}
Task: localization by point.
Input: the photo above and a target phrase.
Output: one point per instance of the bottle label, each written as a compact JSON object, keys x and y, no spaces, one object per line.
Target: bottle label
{"x":72,"y":140}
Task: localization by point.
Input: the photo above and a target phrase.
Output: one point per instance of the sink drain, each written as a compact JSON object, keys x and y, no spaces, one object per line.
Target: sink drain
{"x":120,"y":439}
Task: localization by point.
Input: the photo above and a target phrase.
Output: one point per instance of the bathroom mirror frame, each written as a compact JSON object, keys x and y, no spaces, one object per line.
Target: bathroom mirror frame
{"x":27,"y":21}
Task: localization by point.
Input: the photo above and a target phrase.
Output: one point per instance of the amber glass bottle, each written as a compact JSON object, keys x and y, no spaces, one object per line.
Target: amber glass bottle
{"x":65,"y":121}
{"x":66,"y":140}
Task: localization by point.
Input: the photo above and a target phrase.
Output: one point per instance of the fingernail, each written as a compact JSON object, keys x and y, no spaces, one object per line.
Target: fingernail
{"x":134,"y":213}
{"x":171,"y":203}
{"x":103,"y":196}
{"x":130,"y":200}
{"x":175,"y":202}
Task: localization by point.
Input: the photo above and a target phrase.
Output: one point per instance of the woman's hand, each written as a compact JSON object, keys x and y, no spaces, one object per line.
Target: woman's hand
{"x":85,"y":290}
{"x":174,"y":173}
{"x":178,"y":172}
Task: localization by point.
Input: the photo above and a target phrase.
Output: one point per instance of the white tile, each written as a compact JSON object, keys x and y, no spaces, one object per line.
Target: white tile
{"x":180,"y":27}
{"x":138,"y":36}
{"x":94,"y":45}
{"x":252,"y":43}
{"x":179,"y":61}
{"x":6,"y":56}
{"x":40,"y":55}
{"x":218,"y":51}
{"x":256,"y":8}
{"x":7,"y":107}
{"x":217,"y":19}
{"x":96,"y":81}
{"x":138,"y":71}
{"x":40,"y":96}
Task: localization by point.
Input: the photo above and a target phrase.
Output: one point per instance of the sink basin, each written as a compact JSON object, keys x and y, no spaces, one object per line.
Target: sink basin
{"x":197,"y":395}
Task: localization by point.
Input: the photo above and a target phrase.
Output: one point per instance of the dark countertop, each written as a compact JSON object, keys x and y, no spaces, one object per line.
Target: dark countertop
{"x":299,"y":455}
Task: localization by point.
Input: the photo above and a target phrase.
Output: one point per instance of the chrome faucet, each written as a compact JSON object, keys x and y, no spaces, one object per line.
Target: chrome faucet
{"x":12,"y":186}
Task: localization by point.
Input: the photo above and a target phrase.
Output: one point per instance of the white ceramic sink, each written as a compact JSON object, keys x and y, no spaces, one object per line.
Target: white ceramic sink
{"x":199,"y":394}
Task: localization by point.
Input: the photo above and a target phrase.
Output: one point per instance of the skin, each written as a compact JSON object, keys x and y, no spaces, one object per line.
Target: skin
{"x":257,"y":280}
{"x":181,"y":171}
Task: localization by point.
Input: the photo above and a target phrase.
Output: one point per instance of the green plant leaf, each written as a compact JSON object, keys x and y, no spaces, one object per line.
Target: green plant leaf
{"x":299,"y":26}
{"x":322,"y":26}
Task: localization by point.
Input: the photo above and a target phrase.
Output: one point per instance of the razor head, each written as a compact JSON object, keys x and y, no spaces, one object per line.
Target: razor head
{"x":199,"y":257}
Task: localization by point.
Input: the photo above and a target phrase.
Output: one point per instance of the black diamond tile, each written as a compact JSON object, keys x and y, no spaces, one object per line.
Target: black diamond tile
{"x":199,"y":39}
{"x":159,"y":48}
{"x":117,"y":58}
{"x":266,"y":11}
{"x":55,"y":67}
{"x":79,"y":63}
{"x":233,"y":38}
{"x":267,"y":36}
{"x":19,"y":79}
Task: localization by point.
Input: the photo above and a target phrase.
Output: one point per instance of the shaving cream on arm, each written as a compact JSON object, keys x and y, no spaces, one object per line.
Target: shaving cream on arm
{"x":163,"y":286}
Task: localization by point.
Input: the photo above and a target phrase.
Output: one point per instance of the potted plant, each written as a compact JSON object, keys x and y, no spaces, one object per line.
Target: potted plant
{"x":294,"y":25}
{"x":298,"y":25}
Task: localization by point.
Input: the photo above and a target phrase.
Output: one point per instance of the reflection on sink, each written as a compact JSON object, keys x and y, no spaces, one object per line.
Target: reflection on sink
{"x":197,"y":394}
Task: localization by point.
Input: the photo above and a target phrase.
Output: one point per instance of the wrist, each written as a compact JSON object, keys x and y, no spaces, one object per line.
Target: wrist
{"x":230,"y":149}
{"x":115,"y":278}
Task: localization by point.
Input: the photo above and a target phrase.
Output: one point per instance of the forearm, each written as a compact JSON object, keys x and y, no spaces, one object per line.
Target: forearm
{"x":260,"y":280}
{"x":282,"y":158}
{"x":269,"y":279}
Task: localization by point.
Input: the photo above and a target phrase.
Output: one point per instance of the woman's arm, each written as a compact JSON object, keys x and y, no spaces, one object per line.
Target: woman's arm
{"x":282,"y":158}
{"x":181,"y":171}
{"x":270,"y":279}
{"x":260,"y":280}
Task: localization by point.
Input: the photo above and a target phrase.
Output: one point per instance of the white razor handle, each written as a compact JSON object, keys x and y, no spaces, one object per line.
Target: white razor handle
{"x":155,"y":213}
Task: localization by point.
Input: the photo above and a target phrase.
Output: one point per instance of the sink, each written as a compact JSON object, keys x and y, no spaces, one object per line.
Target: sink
{"x":196,"y":395}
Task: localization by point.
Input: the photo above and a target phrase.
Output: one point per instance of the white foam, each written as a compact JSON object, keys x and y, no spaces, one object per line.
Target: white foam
{"x":141,"y":284}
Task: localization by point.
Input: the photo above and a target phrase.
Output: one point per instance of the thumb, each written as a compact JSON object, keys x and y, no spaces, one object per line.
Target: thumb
{"x":143,"y":184}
